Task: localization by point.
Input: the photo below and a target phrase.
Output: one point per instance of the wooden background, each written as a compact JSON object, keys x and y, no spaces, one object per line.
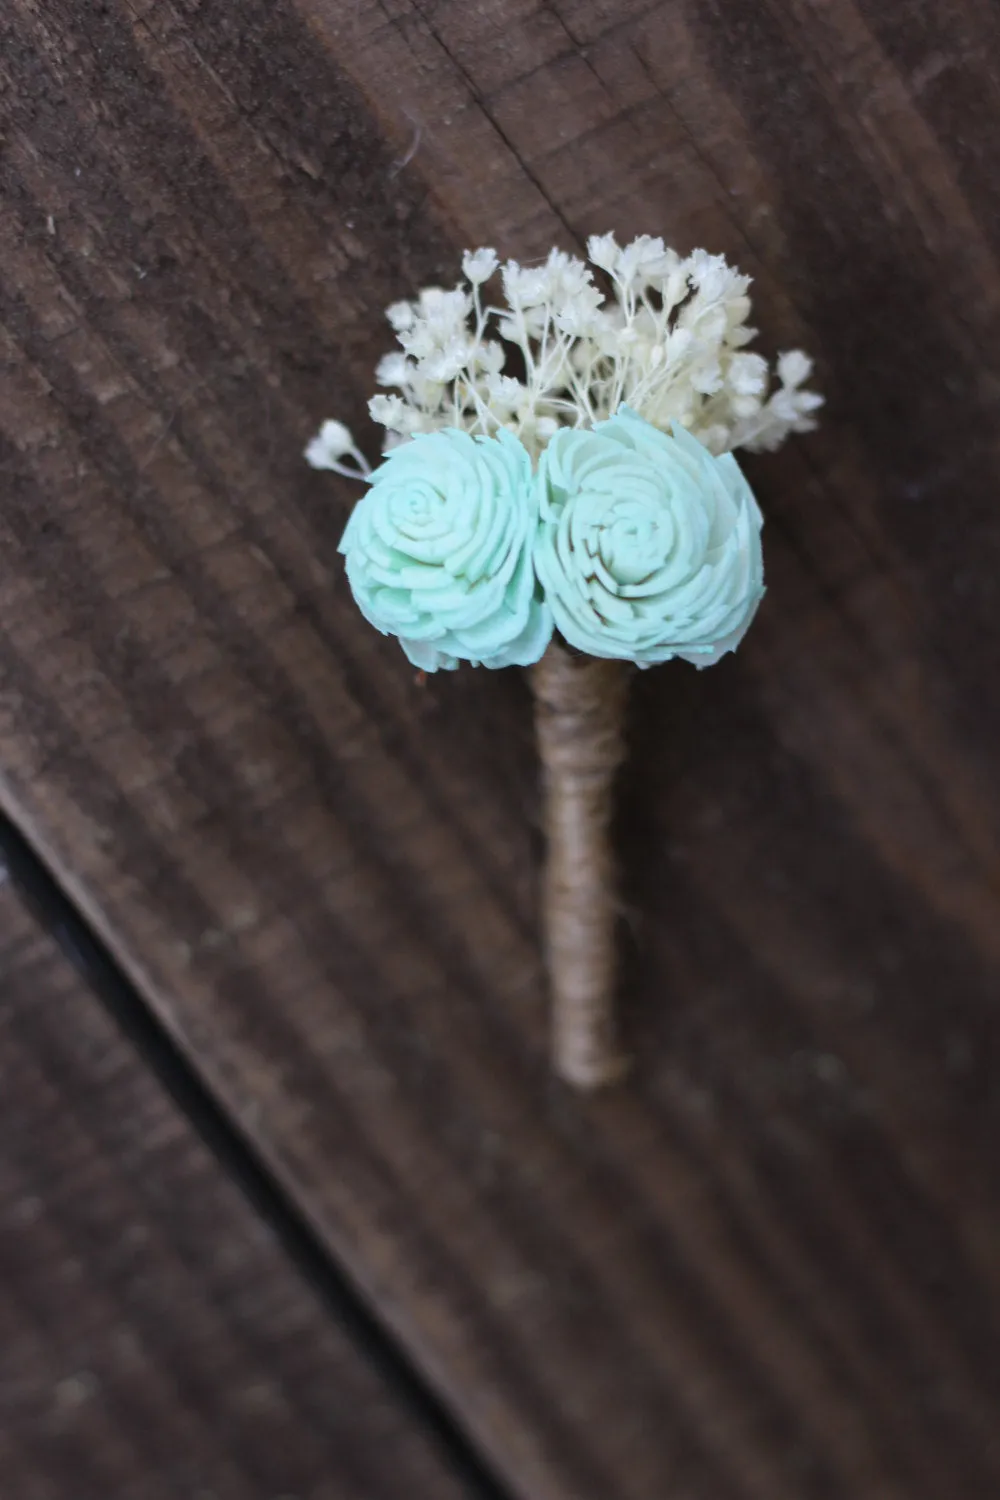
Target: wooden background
{"x":769,"y":1268}
{"x":154,"y":1341}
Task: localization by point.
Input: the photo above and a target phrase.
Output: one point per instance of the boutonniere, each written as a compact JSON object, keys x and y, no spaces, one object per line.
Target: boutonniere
{"x":558,"y":491}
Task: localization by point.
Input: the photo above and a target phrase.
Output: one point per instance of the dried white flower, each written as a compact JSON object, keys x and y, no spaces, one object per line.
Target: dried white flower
{"x":400,"y":316}
{"x":393,"y":369}
{"x":332,"y":443}
{"x":391,"y":412}
{"x":603,"y":250}
{"x":794,"y":367}
{"x":668,"y":342}
{"x":478,"y":265}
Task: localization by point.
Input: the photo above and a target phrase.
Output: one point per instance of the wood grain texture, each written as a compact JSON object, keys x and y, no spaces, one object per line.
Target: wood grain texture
{"x":155,"y":1343}
{"x":768,"y":1269}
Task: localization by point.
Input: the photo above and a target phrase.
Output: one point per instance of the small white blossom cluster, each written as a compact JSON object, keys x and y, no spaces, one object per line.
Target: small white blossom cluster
{"x":669,"y":342}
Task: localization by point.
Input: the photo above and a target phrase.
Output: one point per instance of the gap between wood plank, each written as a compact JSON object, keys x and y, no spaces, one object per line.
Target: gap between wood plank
{"x":223,"y":1138}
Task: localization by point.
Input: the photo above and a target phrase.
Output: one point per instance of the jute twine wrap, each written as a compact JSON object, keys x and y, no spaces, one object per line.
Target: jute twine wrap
{"x":580,"y":717}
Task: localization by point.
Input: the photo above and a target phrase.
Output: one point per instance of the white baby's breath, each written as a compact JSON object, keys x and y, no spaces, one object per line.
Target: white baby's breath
{"x":478,"y":265}
{"x":393,"y":369}
{"x":794,"y":367}
{"x":333,"y":443}
{"x":400,"y":316}
{"x":669,"y":342}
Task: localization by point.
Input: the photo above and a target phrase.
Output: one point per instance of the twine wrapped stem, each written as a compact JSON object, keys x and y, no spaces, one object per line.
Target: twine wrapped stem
{"x":580,"y":719}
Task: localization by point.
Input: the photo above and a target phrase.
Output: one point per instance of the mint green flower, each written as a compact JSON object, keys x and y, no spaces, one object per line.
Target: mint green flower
{"x":438,"y":552}
{"x":648,"y":546}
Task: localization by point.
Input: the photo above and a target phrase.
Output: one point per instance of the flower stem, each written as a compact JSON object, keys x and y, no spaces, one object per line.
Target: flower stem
{"x":579,"y":715}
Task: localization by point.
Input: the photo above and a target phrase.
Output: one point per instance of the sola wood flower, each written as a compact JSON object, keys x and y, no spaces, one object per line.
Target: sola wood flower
{"x":439,"y":552}
{"x":648,"y":546}
{"x":559,"y":492}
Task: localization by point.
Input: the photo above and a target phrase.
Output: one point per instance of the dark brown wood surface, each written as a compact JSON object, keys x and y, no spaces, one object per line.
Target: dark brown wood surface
{"x":155,"y":1344}
{"x":768,"y":1268}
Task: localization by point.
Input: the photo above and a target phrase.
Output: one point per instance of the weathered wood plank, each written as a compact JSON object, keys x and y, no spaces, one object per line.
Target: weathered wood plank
{"x":769,"y":1268}
{"x":156,"y":1343}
